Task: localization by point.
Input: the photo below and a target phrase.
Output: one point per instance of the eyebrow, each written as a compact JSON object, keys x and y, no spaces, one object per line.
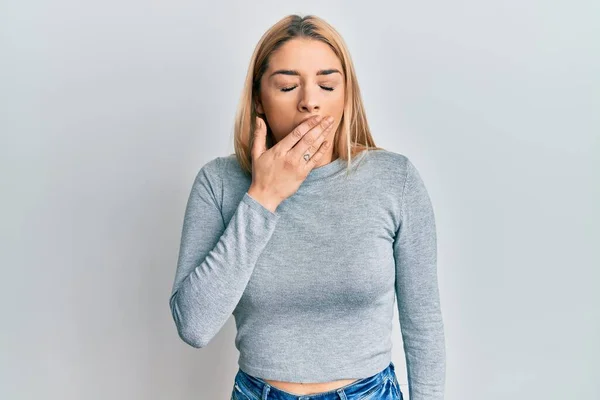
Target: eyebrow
{"x":294,"y":72}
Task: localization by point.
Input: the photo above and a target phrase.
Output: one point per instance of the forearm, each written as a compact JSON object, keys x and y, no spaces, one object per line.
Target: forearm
{"x":205,"y":297}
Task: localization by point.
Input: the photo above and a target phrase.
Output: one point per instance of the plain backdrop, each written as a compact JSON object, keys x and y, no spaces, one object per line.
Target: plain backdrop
{"x":109,"y":108}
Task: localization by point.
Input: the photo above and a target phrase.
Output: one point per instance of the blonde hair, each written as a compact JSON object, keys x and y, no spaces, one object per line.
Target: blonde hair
{"x":353,"y":134}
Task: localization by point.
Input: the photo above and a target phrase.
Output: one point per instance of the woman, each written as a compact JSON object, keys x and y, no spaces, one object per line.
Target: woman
{"x":310,"y":259}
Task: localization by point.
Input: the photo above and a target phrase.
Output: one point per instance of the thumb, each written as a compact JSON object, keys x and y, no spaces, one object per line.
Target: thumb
{"x":259,"y":144}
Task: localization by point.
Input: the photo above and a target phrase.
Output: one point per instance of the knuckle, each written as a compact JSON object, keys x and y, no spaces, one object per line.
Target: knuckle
{"x":312,"y":122}
{"x":277,"y":153}
{"x":317,"y":145}
{"x":288,"y":163}
{"x":297,"y":133}
{"x":309,"y":140}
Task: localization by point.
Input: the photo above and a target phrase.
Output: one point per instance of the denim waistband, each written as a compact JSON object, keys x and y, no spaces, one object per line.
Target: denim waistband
{"x":264,"y":391}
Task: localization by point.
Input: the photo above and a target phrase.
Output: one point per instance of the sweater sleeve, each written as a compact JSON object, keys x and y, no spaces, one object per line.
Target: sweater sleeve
{"x":215,"y":259}
{"x":417,"y":293}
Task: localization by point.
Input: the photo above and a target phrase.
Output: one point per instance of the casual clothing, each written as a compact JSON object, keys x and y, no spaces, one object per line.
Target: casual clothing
{"x":381,"y":386}
{"x":312,"y":286}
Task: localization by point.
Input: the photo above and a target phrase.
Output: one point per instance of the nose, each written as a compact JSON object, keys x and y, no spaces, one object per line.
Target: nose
{"x":309,"y":102}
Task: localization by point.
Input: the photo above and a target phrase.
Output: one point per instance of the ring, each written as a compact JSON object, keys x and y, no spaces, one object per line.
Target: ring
{"x":306,"y":157}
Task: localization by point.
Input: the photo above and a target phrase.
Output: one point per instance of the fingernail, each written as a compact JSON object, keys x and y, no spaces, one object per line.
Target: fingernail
{"x":329,"y":119}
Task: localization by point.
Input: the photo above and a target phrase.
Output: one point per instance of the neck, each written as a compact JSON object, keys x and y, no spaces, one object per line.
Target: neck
{"x":326,"y":159}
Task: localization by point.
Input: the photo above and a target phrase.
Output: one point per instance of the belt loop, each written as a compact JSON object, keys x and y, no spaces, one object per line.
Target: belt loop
{"x":265,"y":392}
{"x":342,"y":394}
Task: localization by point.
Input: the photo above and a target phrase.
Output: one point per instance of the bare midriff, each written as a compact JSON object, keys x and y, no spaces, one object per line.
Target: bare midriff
{"x":309,"y":388}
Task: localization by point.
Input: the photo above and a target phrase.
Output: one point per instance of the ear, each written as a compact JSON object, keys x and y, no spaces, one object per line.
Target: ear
{"x":259,"y":107}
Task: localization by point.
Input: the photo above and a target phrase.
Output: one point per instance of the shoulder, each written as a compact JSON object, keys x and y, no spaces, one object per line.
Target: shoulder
{"x":210,"y":171}
{"x":231,"y":168}
{"x":222,"y":174}
{"x":389,"y":164}
{"x":221,"y":167}
{"x":389,"y":157}
{"x":395,"y":172}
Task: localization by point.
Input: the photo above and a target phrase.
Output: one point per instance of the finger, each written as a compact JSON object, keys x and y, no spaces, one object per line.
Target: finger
{"x":312,"y":162}
{"x":314,"y":146}
{"x":259,"y":144}
{"x":310,"y":142}
{"x":285,"y":144}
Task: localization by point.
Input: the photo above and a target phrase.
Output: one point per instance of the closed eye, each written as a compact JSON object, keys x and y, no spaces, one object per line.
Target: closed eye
{"x":288,"y":89}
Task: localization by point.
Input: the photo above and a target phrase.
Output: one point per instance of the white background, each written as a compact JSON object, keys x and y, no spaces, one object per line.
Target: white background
{"x":109,"y":108}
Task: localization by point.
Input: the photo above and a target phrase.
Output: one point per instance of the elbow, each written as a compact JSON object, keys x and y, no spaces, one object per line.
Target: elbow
{"x":191,"y":337}
{"x":187,"y":330}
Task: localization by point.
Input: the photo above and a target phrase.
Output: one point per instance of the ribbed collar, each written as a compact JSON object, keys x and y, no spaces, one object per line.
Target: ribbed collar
{"x":326,"y":170}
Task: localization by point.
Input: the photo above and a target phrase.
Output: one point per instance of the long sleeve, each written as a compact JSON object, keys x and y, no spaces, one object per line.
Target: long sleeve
{"x":421,"y":323}
{"x":215,"y":261}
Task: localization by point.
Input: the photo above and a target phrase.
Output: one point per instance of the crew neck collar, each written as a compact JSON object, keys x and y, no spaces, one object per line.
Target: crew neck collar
{"x":326,"y":170}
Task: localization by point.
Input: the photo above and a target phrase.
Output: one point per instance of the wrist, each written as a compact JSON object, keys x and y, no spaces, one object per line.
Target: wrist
{"x":263,"y":198}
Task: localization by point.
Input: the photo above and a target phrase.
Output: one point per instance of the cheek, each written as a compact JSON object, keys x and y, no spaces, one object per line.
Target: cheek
{"x":279,"y":108}
{"x":336,"y":102}
{"x":279,"y":122}
{"x":338,"y":107}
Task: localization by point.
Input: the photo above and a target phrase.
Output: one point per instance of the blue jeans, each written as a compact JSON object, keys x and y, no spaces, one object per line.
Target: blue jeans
{"x":381,"y":386}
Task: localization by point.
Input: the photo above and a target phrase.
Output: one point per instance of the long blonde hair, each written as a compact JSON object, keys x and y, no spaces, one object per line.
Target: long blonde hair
{"x":353,"y":134}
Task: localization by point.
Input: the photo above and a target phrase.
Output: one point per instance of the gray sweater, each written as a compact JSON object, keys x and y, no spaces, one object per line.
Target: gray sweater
{"x":312,"y":286}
